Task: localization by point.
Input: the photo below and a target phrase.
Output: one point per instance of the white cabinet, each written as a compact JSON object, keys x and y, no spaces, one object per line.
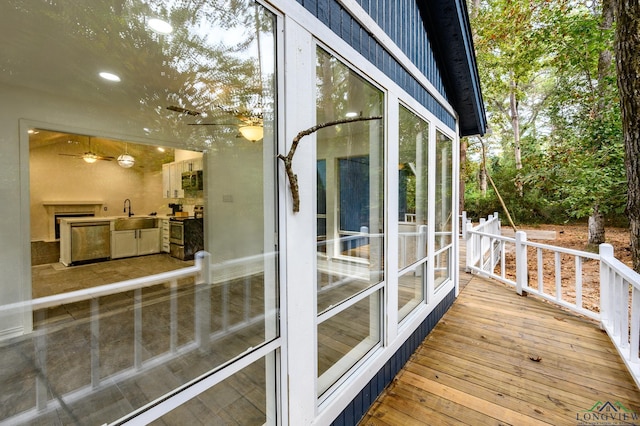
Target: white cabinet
{"x":176,"y":180}
{"x":172,"y":180}
{"x":148,"y":241}
{"x":166,"y":180}
{"x":172,"y":176}
{"x":124,"y":244}
{"x":135,"y":242}
{"x":165,"y":244}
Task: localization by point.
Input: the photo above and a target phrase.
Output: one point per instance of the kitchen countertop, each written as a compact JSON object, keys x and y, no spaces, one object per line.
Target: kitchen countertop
{"x":102,"y":218}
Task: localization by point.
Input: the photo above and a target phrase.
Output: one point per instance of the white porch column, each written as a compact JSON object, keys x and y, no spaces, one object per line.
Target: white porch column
{"x":299,"y":326}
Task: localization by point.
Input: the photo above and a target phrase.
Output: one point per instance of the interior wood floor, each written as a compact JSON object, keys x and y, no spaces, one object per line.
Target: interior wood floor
{"x":497,"y":358}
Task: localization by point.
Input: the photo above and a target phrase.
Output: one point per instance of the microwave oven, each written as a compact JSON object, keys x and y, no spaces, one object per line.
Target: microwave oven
{"x":192,"y":181}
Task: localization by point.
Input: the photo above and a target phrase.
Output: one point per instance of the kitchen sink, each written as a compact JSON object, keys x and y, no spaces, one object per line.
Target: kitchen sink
{"x":130,"y":223}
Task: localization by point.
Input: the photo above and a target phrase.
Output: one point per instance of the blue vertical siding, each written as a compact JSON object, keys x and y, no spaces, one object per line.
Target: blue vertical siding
{"x":359,"y":406}
{"x":402,"y":22}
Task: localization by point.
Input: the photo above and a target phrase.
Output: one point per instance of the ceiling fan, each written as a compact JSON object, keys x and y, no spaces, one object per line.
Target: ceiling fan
{"x":89,"y":156}
{"x":250,"y":123}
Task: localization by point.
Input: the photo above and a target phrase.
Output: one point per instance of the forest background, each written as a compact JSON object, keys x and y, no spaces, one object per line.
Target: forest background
{"x":555,"y":147}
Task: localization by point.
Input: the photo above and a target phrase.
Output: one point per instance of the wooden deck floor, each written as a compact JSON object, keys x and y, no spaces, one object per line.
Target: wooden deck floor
{"x":497,"y":358}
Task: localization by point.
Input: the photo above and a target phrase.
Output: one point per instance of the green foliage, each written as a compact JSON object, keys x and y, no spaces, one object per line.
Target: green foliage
{"x":571,"y":135}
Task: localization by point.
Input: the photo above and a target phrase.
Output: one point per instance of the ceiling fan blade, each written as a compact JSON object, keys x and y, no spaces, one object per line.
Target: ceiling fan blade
{"x":182,"y":110}
{"x":213,"y":124}
{"x":81,"y":156}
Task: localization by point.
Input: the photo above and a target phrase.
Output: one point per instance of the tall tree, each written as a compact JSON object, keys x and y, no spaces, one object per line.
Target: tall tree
{"x":555,"y":104}
{"x":512,"y":55}
{"x":585,"y":116}
{"x":605,"y":59}
{"x":474,"y":7}
{"x":627,"y":50}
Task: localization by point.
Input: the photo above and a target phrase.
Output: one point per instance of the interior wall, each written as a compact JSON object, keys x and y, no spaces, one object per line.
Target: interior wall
{"x":53,"y":177}
{"x":235,"y":204}
{"x":151,"y":199}
{"x":21,"y":109}
{"x":181,"y":154}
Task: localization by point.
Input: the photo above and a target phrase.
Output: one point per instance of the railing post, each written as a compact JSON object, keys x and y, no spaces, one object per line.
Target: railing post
{"x":173,"y":309}
{"x":469,"y":245}
{"x":364,"y":230}
{"x":40,"y":346}
{"x":606,"y":295}
{"x":422,"y":241}
{"x":463,"y":225}
{"x":482,"y":227}
{"x":95,"y":342}
{"x":522,"y":271}
{"x":137,"y":328}
{"x":203,"y":300}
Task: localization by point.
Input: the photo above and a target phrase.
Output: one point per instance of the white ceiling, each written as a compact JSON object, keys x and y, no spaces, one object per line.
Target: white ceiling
{"x":208,"y":64}
{"x":147,"y":157}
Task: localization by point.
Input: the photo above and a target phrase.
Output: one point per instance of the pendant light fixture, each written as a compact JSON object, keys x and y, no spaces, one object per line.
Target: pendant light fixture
{"x":125,"y":160}
{"x":253,"y":133}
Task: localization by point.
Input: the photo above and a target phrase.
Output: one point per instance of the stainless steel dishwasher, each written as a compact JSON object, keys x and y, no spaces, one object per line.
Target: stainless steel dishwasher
{"x":90,"y":241}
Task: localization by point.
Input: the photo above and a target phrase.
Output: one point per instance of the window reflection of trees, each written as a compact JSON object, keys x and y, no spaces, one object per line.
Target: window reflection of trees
{"x":218,"y":61}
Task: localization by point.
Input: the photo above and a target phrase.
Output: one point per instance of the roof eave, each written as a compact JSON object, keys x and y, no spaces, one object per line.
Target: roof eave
{"x":455,"y":56}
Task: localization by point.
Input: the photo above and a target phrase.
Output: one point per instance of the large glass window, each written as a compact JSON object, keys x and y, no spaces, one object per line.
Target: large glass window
{"x":350,"y":218}
{"x":344,"y":338}
{"x":149,"y":141}
{"x":443,"y":208}
{"x":238,"y":400}
{"x":350,"y":184}
{"x":413,"y":192}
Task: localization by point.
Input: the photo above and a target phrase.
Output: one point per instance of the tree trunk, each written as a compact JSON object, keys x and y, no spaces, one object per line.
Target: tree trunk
{"x":627,"y":51}
{"x":596,"y":226}
{"x":605,"y":57}
{"x":515,"y":125}
{"x":596,"y":220}
{"x":475,"y":8}
{"x":482,"y":180}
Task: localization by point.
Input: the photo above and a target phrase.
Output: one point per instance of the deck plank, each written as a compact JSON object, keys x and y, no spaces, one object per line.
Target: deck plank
{"x":475,"y":367}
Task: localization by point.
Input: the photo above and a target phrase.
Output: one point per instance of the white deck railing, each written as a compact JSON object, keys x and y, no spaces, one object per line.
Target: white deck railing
{"x":203,"y":273}
{"x":620,"y":303}
{"x":618,"y":288}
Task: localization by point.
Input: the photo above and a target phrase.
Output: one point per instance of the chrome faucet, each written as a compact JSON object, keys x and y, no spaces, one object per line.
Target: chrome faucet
{"x":125,"y":207}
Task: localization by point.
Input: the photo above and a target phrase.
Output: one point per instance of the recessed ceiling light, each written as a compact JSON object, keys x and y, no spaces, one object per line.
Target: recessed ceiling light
{"x":109,"y":76}
{"x":160,"y":26}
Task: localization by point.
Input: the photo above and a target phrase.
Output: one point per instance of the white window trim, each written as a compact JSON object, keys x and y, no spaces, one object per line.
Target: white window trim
{"x":303,"y":32}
